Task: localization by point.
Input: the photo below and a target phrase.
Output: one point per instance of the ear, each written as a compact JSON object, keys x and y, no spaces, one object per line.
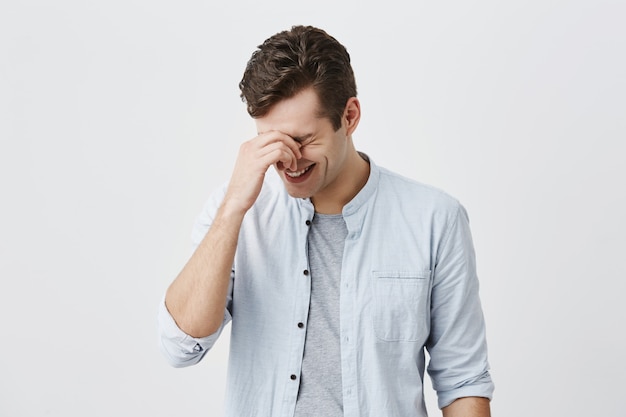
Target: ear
{"x":351,"y":115}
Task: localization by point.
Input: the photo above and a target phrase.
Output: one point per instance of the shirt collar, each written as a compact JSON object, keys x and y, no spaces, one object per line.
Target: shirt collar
{"x":366,"y":192}
{"x":352,"y":213}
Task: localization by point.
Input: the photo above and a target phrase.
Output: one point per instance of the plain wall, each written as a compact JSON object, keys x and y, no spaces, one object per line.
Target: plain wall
{"x":118,"y":118}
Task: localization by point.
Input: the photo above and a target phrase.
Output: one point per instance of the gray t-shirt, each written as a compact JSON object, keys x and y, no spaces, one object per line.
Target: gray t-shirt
{"x":320,"y":391}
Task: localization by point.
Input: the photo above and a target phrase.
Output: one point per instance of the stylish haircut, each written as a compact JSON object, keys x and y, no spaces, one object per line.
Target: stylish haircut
{"x":293,"y":60}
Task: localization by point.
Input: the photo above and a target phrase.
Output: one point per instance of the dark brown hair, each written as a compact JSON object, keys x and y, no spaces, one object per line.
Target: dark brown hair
{"x":293,"y":60}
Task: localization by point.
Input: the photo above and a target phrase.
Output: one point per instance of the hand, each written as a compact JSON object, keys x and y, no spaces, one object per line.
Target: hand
{"x":254,"y":159}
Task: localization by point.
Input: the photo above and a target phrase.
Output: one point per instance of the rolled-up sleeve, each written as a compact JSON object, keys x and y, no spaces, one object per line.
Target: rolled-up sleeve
{"x":457,"y":343}
{"x":179,"y":348}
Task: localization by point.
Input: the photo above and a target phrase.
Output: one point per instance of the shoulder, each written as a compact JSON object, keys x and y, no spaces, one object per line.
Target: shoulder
{"x":271,"y":191}
{"x":409,"y":192}
{"x":272,"y":203}
{"x":417,"y":207}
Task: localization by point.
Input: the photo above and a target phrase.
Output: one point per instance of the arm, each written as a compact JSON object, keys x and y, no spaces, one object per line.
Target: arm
{"x":468,"y":407}
{"x":196,"y":299}
{"x":457,"y":343}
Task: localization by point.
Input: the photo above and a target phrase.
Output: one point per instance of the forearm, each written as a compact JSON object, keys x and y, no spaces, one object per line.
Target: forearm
{"x":468,"y":407}
{"x":197,"y":297}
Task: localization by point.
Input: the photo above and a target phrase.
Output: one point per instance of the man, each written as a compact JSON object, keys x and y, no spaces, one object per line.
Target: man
{"x":336,"y":273}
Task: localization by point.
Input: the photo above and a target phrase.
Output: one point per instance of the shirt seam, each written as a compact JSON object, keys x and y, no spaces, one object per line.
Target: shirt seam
{"x":448,"y":232}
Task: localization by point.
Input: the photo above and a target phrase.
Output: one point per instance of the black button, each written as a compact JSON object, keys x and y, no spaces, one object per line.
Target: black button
{"x":300,"y":325}
{"x":308,"y":222}
{"x":306,"y":272}
{"x":293,"y":377}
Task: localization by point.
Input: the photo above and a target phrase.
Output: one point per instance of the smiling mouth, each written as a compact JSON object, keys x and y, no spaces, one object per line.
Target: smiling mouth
{"x":297,"y":174}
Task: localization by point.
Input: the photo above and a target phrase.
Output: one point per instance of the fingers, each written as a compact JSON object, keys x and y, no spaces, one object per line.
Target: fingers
{"x":255,"y":157}
{"x":279,"y":137}
{"x":277,"y":153}
{"x":276,"y":148}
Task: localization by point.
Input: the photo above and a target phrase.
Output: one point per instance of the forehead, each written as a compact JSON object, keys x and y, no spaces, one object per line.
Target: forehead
{"x":296,"y":115}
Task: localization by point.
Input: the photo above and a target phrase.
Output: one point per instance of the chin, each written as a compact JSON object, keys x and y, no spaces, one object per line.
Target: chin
{"x":297,"y":193}
{"x":296,"y":190}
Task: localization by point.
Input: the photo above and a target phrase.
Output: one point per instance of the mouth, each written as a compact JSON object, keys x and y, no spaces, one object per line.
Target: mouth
{"x":298,"y":176}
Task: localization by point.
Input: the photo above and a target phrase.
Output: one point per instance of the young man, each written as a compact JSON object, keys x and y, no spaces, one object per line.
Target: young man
{"x":336,"y":273}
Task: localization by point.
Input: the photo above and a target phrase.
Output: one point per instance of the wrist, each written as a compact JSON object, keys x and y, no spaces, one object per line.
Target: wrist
{"x":231,"y":208}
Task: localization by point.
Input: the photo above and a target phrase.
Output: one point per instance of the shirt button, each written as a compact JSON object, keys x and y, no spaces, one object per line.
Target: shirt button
{"x":300,"y":325}
{"x":306,"y":272}
{"x":293,"y":377}
{"x":308,"y":222}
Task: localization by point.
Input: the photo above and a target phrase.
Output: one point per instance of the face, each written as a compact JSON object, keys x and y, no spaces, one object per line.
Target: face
{"x":324,"y":150}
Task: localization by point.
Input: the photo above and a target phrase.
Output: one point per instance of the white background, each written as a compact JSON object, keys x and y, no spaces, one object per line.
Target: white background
{"x":118,"y":118}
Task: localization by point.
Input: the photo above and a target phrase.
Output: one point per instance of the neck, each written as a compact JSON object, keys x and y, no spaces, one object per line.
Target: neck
{"x":354,"y":177}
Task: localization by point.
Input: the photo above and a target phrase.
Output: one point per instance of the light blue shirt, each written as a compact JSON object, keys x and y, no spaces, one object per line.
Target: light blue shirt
{"x":408,"y":282}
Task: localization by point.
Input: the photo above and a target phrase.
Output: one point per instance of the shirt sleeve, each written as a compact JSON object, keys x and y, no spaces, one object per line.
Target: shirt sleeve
{"x":457,"y":344}
{"x":179,"y":348}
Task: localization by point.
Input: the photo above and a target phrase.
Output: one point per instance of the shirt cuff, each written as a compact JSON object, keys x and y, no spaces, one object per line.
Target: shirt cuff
{"x":178,"y":347}
{"x":483,"y":387}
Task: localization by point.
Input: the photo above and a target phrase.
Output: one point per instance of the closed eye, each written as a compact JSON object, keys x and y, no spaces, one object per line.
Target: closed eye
{"x":304,"y":140}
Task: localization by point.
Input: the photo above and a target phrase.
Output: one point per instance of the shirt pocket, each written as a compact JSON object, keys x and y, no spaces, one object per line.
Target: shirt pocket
{"x":401,"y":305}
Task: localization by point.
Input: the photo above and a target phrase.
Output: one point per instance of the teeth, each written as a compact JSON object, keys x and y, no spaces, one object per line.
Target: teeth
{"x":297,"y":173}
